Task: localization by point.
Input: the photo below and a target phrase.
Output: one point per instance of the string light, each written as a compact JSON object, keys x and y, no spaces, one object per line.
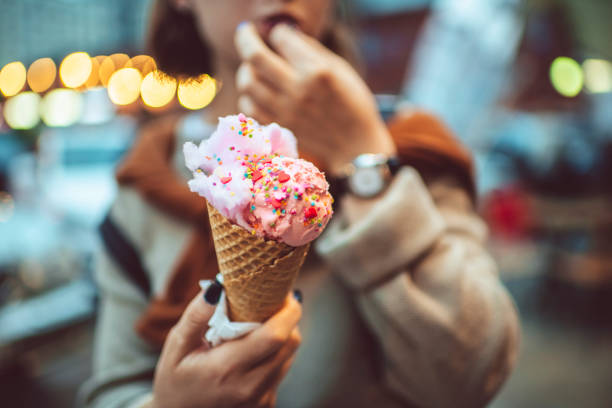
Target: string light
{"x":126,"y":78}
{"x":21,"y":111}
{"x":597,"y":75}
{"x":157,"y":90}
{"x":94,"y":74}
{"x":41,"y":74}
{"x":61,"y":107}
{"x":12,"y":78}
{"x":197,"y":93}
{"x":566,"y":76}
{"x":111,"y":64}
{"x":124,"y":86}
{"x":143,"y":63}
{"x":75,"y":69}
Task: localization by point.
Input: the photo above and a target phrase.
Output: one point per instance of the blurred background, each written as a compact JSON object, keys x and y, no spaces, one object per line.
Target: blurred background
{"x":526,"y":85}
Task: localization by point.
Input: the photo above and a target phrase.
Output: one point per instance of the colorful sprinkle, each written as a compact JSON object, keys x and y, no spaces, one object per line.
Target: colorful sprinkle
{"x":225,"y":180}
{"x":310,"y":213}
{"x":283,"y":177}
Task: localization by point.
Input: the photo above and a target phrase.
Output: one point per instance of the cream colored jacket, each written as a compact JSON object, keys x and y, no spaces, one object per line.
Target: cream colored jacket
{"x":402,"y":305}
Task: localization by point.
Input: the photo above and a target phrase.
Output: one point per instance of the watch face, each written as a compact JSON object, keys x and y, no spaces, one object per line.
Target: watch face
{"x":366,"y":182}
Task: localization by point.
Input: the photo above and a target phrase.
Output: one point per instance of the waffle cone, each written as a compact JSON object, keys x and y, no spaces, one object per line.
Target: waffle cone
{"x":257,"y":274}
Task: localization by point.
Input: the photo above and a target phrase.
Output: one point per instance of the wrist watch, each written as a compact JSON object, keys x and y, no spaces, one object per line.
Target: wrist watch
{"x":367,"y":175}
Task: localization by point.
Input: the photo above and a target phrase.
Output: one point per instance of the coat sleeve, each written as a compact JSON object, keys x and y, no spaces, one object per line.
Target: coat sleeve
{"x":123,"y":364}
{"x":428,"y":290}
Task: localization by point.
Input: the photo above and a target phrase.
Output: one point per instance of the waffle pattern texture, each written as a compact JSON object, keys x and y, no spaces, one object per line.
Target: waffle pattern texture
{"x":257,"y":274}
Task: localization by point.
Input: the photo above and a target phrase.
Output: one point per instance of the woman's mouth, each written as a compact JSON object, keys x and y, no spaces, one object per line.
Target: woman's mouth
{"x":265,"y":25}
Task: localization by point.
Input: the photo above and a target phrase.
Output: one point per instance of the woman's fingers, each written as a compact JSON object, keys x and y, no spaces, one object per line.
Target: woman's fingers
{"x":261,"y":94}
{"x":272,"y":365}
{"x":268,"y":374}
{"x":296,"y":47}
{"x":187,"y":334}
{"x":264,"y":61}
{"x":264,"y":341}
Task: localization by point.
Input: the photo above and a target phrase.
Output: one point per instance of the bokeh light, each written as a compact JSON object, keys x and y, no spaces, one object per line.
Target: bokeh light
{"x":597,"y":75}
{"x":21,"y":111}
{"x":12,"y":78}
{"x":107,"y":68}
{"x":110,"y":64}
{"x":143,"y":63}
{"x":61,"y":107}
{"x":41,"y":74}
{"x":157,"y":89}
{"x":7,"y":206}
{"x":124,"y":86}
{"x":566,"y":76}
{"x":94,"y":74}
{"x":75,"y":69}
{"x":197,"y":93}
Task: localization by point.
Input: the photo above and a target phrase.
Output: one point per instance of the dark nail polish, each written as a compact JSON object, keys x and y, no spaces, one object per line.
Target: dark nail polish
{"x":213,"y":293}
{"x":297,"y":294}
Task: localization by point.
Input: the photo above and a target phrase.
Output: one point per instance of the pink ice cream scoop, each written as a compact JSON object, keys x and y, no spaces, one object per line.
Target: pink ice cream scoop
{"x":251,"y":174}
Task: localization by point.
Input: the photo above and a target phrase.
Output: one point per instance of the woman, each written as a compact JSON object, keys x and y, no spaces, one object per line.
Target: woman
{"x":402,"y":304}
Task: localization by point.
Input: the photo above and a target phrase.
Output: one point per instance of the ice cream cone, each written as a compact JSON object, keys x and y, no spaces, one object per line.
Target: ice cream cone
{"x":257,"y":274}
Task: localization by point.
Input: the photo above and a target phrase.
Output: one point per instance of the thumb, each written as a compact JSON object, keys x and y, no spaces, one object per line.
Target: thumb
{"x":187,"y":335}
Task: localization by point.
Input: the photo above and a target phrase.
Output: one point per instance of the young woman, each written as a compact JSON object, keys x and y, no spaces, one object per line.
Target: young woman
{"x":402,"y":304}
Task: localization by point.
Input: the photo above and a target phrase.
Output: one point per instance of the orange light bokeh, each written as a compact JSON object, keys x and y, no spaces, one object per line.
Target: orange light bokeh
{"x":143,"y":63}
{"x":110,"y":64}
{"x":41,"y":74}
{"x":12,"y":78}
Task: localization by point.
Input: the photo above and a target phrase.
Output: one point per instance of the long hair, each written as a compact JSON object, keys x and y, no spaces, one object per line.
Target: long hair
{"x":177,"y":46}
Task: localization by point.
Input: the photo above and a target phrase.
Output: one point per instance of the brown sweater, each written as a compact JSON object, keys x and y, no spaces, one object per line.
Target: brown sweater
{"x":414,"y":312}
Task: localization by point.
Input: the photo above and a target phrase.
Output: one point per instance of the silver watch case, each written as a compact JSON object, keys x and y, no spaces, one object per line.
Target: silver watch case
{"x":368,"y":175}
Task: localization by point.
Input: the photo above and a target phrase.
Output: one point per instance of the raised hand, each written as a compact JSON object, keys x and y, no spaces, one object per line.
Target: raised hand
{"x":312,"y":91}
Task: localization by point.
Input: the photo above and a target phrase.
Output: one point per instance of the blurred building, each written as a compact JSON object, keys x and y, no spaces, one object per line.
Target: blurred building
{"x":31,"y":29}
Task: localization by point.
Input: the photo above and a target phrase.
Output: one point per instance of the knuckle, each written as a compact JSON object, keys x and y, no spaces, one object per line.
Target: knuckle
{"x":245,"y":87}
{"x":256,"y":57}
{"x":276,"y":339}
{"x":244,"y":394}
{"x":296,"y":339}
{"x":303,"y":94}
{"x":320,"y":76}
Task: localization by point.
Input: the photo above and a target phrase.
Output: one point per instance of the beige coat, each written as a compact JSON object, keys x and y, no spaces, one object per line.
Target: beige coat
{"x":402,"y":304}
